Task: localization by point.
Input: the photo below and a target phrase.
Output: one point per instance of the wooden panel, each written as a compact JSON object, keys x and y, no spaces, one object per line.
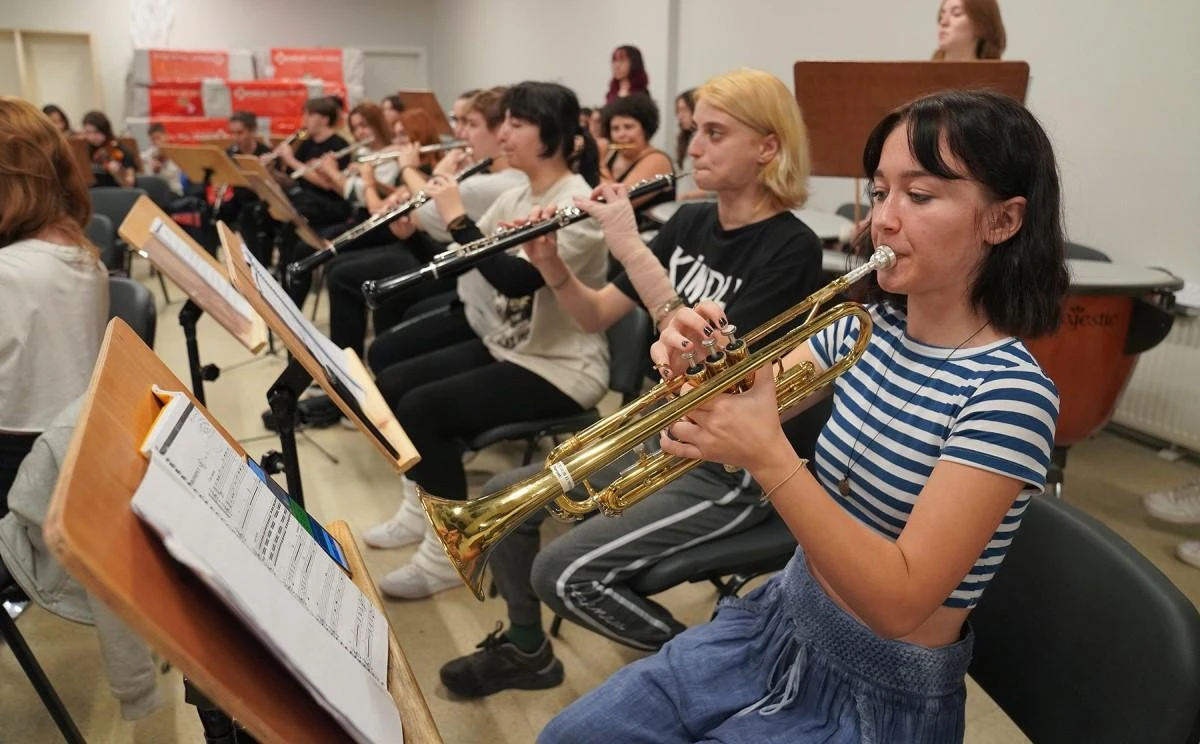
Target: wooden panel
{"x":60,"y":69}
{"x":95,"y":535}
{"x":843,"y":101}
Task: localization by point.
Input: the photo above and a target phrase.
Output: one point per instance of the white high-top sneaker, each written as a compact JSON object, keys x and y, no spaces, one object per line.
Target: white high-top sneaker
{"x":407,"y":526}
{"x":428,"y":573}
{"x":1178,"y":505}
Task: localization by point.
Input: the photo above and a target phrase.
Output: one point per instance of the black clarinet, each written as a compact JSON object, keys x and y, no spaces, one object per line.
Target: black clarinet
{"x":466,"y":257}
{"x":299,"y":268}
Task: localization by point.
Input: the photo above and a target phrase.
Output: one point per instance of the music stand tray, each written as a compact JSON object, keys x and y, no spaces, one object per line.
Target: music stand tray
{"x":93,"y":532}
{"x":373,"y":417}
{"x":201,"y":161}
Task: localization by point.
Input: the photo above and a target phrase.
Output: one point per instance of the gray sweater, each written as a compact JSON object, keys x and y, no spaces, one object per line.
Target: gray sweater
{"x":127,"y":661}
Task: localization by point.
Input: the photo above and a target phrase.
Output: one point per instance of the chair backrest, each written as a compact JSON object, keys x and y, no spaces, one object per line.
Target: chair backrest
{"x":134,"y":304}
{"x":1084,"y":253}
{"x":103,"y":234}
{"x":847,"y":210}
{"x":114,"y":202}
{"x":157,"y":188}
{"x":1080,"y":638}
{"x":629,"y":360}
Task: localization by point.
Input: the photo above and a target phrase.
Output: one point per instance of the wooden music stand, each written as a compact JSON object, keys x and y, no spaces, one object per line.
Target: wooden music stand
{"x":428,"y":102}
{"x":388,"y":436}
{"x":200,"y":162}
{"x":843,"y":101}
{"x":136,"y":231}
{"x":93,"y":532}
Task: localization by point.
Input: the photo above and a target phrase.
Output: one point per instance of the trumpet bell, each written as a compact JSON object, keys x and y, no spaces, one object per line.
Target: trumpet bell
{"x":457,"y":525}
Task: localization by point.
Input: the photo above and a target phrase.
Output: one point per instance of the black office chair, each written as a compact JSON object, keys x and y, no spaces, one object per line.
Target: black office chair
{"x":157,"y":188}
{"x":133,"y":303}
{"x":103,"y":234}
{"x":731,"y":562}
{"x":628,"y":340}
{"x":115,"y":203}
{"x":1079,"y":638}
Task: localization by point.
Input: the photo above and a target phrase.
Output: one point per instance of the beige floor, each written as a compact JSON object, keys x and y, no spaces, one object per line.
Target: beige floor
{"x":1106,"y":476}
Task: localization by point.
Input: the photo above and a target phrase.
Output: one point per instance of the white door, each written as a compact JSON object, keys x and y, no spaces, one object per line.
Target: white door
{"x":386,"y":71}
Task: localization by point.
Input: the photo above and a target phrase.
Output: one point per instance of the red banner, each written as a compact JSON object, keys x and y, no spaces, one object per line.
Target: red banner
{"x":269,"y":97}
{"x":175,"y":99}
{"x":336,"y":88}
{"x":191,"y":130}
{"x":297,"y":64}
{"x":179,"y":66}
{"x":282,"y":126}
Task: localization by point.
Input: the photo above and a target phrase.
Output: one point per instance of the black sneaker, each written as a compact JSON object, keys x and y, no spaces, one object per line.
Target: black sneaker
{"x":500,"y":665}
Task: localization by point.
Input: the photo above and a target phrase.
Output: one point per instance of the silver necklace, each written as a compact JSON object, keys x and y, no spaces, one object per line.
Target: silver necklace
{"x":855,"y":453}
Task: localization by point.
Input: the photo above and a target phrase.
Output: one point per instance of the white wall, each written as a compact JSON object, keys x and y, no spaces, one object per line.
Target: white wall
{"x":480,"y":43}
{"x":1116,"y":85}
{"x":225,"y":24}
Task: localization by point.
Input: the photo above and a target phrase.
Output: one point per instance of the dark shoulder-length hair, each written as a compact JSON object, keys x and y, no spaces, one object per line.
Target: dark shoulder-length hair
{"x":555,"y":110}
{"x":1021,"y":282}
{"x":639,"y":81}
{"x":98,"y":120}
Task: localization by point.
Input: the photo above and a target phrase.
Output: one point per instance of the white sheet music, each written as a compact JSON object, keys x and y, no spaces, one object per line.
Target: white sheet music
{"x":329,"y":356}
{"x":217,"y":517}
{"x":213,"y":278}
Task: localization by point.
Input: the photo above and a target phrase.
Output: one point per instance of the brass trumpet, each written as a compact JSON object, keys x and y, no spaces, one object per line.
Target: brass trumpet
{"x":469,"y":530}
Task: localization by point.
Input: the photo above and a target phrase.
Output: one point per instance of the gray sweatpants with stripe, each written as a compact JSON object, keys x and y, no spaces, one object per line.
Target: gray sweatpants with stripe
{"x":584,"y":575}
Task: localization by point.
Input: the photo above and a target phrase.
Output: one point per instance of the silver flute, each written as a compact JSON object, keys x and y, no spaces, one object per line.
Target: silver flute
{"x":376,"y":157}
{"x":310,"y":167}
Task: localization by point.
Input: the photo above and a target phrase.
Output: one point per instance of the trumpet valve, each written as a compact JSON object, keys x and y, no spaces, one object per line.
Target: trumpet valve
{"x":695,"y":373}
{"x":716,"y":361}
{"x":736,"y":351}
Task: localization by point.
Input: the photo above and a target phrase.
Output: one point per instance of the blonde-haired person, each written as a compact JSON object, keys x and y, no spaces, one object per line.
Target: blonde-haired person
{"x":969,"y":30}
{"x":746,"y":252}
{"x":53,"y":288}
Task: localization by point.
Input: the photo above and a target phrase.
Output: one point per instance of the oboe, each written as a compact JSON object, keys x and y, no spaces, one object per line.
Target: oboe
{"x":305,"y":265}
{"x":466,"y":257}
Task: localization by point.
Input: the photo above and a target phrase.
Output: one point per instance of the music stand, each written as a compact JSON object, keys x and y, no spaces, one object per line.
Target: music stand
{"x":205,"y":164}
{"x":281,"y":207}
{"x":843,"y":101}
{"x":203,"y":295}
{"x":92,"y":531}
{"x":427,"y":102}
{"x":373,"y":417}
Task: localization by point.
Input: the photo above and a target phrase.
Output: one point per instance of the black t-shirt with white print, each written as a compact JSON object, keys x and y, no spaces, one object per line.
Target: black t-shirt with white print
{"x":755,"y":272}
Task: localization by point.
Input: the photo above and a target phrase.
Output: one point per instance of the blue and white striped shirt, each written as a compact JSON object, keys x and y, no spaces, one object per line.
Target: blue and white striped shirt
{"x":906,"y":406}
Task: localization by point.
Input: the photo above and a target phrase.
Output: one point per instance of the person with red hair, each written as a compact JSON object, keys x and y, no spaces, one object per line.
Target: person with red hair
{"x":628,"y":74}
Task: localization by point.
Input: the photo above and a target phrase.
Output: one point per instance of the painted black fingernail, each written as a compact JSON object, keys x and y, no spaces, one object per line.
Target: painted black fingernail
{"x":707,"y":330}
{"x":724,"y":321}
{"x":684,"y":343}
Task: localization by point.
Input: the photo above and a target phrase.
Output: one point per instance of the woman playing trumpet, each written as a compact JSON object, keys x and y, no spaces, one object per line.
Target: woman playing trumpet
{"x":939,"y":436}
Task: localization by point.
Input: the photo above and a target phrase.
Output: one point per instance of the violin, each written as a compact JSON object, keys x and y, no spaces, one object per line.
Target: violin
{"x":107,"y":153}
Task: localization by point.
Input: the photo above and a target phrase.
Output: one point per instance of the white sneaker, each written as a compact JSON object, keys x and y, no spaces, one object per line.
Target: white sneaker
{"x":1178,"y":505}
{"x":413,"y":582}
{"x":1189,"y":552}
{"x":407,"y":525}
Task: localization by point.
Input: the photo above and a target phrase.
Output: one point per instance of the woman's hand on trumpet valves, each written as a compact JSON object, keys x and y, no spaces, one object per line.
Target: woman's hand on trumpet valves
{"x":739,"y":431}
{"x":685,"y":333}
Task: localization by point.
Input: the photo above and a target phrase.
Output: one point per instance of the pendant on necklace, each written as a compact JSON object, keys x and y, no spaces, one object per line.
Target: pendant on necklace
{"x":844,"y":486}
